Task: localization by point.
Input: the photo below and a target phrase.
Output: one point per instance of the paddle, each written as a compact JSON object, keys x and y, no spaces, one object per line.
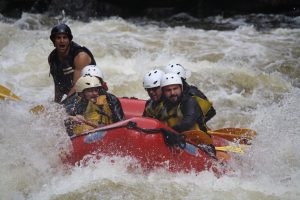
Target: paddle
{"x":200,"y":138}
{"x":243,"y":135}
{"x":81,"y":119}
{"x":37,"y":109}
{"x":231,"y":149}
{"x":7,"y":93}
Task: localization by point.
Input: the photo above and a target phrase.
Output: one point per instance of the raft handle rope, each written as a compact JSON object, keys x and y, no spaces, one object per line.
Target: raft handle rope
{"x":171,"y":139}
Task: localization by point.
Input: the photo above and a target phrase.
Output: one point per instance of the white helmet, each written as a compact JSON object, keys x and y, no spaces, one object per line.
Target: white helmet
{"x":85,"y":82}
{"x":176,"y":69}
{"x":170,"y":79}
{"x":152,"y":78}
{"x":92,"y":70}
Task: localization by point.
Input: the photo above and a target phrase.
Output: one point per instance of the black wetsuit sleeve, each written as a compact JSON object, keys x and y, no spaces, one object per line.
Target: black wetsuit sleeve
{"x":116,"y":108}
{"x":74,"y":106}
{"x":191,"y":114}
{"x":194,"y":91}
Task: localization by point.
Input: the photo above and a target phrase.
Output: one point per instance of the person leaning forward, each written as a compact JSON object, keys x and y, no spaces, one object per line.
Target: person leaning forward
{"x":66,"y":61}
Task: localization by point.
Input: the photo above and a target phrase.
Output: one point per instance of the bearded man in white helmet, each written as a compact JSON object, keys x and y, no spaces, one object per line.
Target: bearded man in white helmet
{"x":92,"y":106}
{"x":181,"y":111}
{"x":151,"y":83}
{"x":205,"y":105}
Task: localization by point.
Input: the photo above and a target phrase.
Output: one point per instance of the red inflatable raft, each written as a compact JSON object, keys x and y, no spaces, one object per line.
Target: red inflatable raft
{"x":147,"y":140}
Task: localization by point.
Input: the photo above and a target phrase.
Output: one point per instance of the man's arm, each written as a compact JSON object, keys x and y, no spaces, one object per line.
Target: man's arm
{"x":191,"y":113}
{"x":116,"y":107}
{"x":80,"y":61}
{"x":58,"y":95}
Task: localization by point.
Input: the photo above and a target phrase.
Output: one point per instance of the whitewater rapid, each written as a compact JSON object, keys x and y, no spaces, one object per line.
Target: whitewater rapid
{"x":251,"y":76}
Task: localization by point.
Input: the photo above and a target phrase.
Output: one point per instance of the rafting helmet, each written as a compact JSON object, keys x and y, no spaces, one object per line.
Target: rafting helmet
{"x":176,"y":69}
{"x":170,"y":79}
{"x":61,"y":28}
{"x":85,"y":82}
{"x":152,"y":78}
{"x":92,"y":70}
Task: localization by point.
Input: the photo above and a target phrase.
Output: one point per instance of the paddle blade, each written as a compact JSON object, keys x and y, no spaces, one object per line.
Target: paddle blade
{"x":7,"y":93}
{"x":243,"y":135}
{"x":37,"y":109}
{"x":198,"y":137}
{"x":233,"y":149}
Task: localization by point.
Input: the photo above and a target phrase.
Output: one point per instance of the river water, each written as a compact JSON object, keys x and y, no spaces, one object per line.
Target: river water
{"x":250,"y":71}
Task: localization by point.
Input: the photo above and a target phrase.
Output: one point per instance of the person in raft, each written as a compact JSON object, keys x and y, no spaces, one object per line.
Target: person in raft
{"x":151,"y":83}
{"x":66,"y":61}
{"x":205,"y":105}
{"x":181,"y":111}
{"x":91,"y":108}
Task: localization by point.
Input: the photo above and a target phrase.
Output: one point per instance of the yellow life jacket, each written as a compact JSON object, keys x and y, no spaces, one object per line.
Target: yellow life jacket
{"x":99,"y":113}
{"x":204,"y":104}
{"x":81,"y":128}
{"x":154,"y":111}
{"x":173,"y":116}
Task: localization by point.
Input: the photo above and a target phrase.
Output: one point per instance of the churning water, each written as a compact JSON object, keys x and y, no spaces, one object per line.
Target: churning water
{"x":251,"y":74}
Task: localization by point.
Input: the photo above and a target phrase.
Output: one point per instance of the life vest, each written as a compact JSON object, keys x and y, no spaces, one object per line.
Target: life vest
{"x":173,"y":116}
{"x":98,"y":113}
{"x":63,"y":72}
{"x":204,"y":104}
{"x":153,"y":109}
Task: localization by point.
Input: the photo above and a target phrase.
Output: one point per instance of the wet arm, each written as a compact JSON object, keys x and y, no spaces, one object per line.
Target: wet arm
{"x":116,"y":108}
{"x":80,"y":61}
{"x":58,"y":95}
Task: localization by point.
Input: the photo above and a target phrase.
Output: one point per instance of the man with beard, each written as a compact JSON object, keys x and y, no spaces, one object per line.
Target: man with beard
{"x":66,"y":61}
{"x":205,"y":105}
{"x":182,"y":112}
{"x":151,"y":83}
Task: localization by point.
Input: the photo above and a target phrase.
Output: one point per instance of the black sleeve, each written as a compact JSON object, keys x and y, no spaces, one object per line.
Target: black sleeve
{"x":194,"y":91}
{"x":191,"y":114}
{"x":116,"y":108}
{"x":75,"y":105}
